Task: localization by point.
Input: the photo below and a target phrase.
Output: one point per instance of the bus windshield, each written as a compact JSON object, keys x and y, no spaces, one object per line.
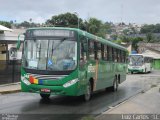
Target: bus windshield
{"x":54,"y":55}
{"x":136,"y":60}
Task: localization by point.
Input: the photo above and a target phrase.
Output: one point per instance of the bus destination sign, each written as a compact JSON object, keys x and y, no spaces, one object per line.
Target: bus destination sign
{"x":56,"y":33}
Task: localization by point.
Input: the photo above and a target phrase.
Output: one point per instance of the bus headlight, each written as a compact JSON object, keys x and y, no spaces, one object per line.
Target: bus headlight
{"x":25,"y":80}
{"x":71,"y":82}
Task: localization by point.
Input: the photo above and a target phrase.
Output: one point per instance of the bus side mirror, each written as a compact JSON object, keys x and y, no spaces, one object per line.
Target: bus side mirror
{"x":18,"y":41}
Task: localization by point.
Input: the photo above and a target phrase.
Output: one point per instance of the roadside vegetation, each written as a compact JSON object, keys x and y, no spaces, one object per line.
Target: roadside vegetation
{"x":147,"y":33}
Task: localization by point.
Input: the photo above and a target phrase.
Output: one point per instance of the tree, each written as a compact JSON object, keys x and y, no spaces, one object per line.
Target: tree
{"x":114,"y":36}
{"x":135,"y":42}
{"x":149,"y":37}
{"x":97,"y":27}
{"x":117,"y":41}
{"x":108,"y":26}
{"x":93,"y":25}
{"x":150,"y":28}
{"x":30,"y":20}
{"x":6,"y":24}
{"x":147,"y":28}
{"x":27,"y":24}
{"x":65,"y":20}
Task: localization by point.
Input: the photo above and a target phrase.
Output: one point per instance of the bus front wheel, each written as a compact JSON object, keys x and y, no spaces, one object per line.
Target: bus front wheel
{"x":44,"y":96}
{"x":87,"y":95}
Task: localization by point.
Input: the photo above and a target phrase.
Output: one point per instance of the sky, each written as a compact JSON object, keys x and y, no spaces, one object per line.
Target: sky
{"x":128,"y":11}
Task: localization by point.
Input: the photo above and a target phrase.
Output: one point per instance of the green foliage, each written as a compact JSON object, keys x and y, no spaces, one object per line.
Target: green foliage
{"x":149,"y":37}
{"x":97,"y":27}
{"x":114,"y":36}
{"x":135,"y":42}
{"x":1,"y":32}
{"x":126,"y":31}
{"x":108,"y":26}
{"x":65,"y":20}
{"x":6,"y":24}
{"x":117,"y":41}
{"x":125,"y":39}
{"x":27,"y":24}
{"x":150,"y":28}
{"x":93,"y":25}
{"x":88,"y":118}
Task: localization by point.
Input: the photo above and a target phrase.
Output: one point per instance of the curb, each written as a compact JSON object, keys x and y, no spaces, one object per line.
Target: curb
{"x":123,"y":102}
{"x":127,"y":100}
{"x":3,"y":85}
{"x":9,"y":91}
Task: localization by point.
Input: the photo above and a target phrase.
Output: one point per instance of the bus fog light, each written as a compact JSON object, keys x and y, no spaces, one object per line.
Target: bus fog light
{"x":71,"y":82}
{"x":25,"y":80}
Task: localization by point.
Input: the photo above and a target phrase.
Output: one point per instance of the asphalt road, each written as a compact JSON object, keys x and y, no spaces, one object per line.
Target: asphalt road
{"x":28,"y":104}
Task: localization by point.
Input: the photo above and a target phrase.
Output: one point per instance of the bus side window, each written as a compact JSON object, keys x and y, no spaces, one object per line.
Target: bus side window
{"x":121,"y":56}
{"x":102,"y":51}
{"x":110,"y":56}
{"x":118,"y":58}
{"x":113,"y":54}
{"x":124,"y":57}
{"x":98,"y":51}
{"x":83,"y":49}
{"x":91,"y":50}
{"x":106,"y":54}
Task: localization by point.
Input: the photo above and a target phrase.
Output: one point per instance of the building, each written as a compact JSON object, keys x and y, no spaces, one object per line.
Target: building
{"x":10,"y":69}
{"x":151,"y":50}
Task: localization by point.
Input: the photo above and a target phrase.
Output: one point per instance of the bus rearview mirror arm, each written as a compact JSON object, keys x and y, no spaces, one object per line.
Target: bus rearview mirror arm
{"x":18,"y":41}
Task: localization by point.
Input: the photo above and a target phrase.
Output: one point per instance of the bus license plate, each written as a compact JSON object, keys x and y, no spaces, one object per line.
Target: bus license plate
{"x":45,"y":90}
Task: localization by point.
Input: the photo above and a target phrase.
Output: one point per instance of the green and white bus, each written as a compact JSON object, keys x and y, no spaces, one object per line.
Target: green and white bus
{"x":139,"y":63}
{"x":71,"y":62}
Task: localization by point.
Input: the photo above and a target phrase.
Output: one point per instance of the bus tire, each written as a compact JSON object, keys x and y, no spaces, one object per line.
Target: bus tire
{"x":44,"y":96}
{"x":87,"y":95}
{"x":115,"y":85}
{"x":131,"y":72}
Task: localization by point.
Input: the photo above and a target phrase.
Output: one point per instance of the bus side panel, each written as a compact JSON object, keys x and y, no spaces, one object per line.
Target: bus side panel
{"x":122,"y":69}
{"x":105,"y":75}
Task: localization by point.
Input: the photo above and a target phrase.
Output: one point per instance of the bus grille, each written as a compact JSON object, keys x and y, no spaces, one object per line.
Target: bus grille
{"x":47,"y":77}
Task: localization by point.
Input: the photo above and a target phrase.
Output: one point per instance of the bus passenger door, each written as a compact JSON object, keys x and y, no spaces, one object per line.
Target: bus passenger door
{"x":82,"y":75}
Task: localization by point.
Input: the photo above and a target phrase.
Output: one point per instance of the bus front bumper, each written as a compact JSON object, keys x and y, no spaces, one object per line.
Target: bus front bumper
{"x":135,"y":70}
{"x":54,"y":90}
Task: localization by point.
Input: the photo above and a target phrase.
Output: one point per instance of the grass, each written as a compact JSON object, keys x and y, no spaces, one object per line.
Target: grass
{"x":88,"y":118}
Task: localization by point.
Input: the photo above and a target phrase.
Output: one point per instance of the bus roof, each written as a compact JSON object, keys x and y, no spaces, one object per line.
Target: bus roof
{"x":84,"y":33}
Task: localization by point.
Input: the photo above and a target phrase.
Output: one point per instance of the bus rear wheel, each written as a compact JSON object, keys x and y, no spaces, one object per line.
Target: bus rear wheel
{"x":87,"y":95}
{"x":44,"y":96}
{"x":115,"y":85}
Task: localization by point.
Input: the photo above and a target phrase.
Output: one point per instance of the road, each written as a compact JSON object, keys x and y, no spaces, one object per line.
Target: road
{"x":29,"y":103}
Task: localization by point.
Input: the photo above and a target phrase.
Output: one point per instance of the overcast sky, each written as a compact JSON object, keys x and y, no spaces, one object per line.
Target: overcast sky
{"x":133,"y":11}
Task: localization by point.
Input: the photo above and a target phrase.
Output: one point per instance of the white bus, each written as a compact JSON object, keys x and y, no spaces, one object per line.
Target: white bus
{"x":139,"y":63}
